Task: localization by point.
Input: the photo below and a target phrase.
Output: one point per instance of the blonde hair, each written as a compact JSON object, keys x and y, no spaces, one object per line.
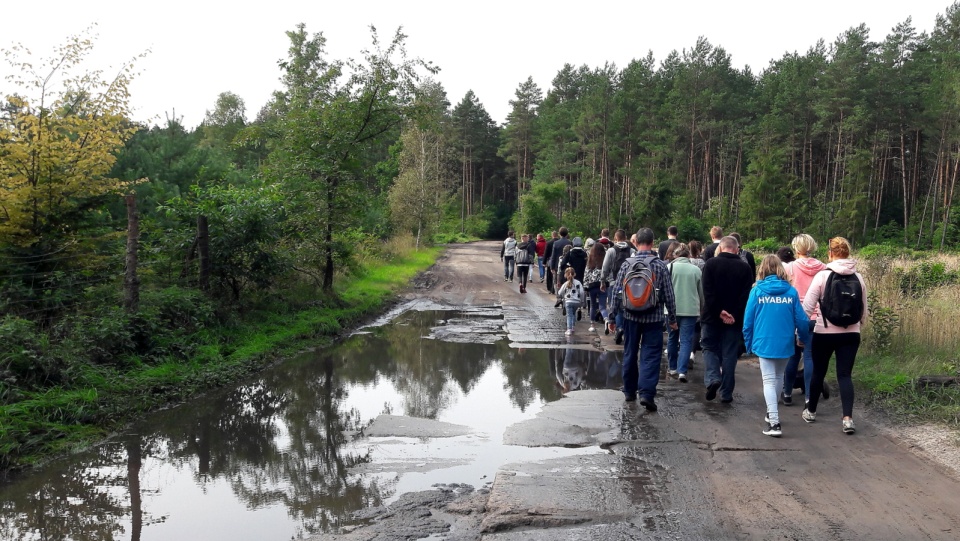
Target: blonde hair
{"x":840,"y":248}
{"x":804,"y":245}
{"x":771,"y":265}
{"x":569,"y":274}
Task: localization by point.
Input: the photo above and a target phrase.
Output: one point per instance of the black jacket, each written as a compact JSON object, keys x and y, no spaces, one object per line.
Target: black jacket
{"x":577,"y":258}
{"x":726,"y":286}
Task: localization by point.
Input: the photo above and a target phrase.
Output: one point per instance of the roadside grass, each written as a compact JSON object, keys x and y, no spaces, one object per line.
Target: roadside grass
{"x":41,"y":425}
{"x":912,"y":333}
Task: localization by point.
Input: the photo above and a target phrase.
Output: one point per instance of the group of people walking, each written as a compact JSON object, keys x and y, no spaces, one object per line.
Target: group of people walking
{"x":789,"y":308}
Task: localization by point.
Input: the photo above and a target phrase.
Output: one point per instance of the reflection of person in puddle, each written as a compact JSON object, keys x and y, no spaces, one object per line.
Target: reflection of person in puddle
{"x":573,"y":373}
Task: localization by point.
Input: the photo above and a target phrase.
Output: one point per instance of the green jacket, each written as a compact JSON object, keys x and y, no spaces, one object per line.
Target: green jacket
{"x":687,"y":286}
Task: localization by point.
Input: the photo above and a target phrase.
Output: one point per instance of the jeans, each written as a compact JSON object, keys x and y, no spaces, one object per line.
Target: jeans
{"x":508,"y":267}
{"x":571,"y":313}
{"x":845,"y":345}
{"x":793,"y":363}
{"x":598,"y":301}
{"x":771,"y":370}
{"x":542,"y":267}
{"x":721,"y":347}
{"x":680,"y":343}
{"x":642,"y":352}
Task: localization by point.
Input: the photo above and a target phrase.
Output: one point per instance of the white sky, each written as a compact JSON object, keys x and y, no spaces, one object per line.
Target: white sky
{"x":201,"y":48}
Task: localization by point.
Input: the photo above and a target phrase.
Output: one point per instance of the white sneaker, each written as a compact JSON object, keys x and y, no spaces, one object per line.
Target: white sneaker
{"x":808,"y":416}
{"x":672,"y":373}
{"x":848,"y":426}
{"x":569,"y":332}
{"x":592,"y":329}
{"x":682,"y":378}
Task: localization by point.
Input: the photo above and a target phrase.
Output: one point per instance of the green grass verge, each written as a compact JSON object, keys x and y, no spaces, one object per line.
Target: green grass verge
{"x":889,"y":382}
{"x":58,"y":420}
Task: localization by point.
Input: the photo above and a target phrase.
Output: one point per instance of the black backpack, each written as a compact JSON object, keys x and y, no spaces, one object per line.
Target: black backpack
{"x":523,"y":253}
{"x":621,"y":255}
{"x":841,"y":302}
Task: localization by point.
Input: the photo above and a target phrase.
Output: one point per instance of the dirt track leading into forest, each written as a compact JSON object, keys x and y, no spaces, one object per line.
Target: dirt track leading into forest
{"x":692,"y":470}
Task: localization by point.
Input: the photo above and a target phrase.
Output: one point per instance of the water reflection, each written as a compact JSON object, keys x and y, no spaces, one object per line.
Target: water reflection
{"x":275,"y":457}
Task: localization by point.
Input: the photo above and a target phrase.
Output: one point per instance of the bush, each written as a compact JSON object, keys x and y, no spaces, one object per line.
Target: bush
{"x":926,"y":275}
{"x":26,"y":356}
{"x":763,"y":246}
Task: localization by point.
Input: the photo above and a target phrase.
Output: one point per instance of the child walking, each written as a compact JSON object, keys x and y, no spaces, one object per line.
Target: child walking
{"x":773,"y":320}
{"x":572,"y":295}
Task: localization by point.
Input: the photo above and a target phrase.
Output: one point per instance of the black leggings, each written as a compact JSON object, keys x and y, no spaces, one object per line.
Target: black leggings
{"x":845,"y":345}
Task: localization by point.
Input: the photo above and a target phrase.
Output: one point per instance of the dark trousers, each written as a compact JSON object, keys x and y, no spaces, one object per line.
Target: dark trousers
{"x":550,"y":273}
{"x":642,"y":352}
{"x":845,"y":346}
{"x":522,"y":273}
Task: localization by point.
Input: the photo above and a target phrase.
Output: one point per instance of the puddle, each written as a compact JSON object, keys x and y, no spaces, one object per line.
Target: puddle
{"x":284,"y":456}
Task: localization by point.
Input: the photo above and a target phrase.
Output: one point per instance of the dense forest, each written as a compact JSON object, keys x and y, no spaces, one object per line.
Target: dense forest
{"x":118,"y":240}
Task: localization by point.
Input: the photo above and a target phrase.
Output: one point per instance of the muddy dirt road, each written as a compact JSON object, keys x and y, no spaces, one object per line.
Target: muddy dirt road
{"x":692,"y":470}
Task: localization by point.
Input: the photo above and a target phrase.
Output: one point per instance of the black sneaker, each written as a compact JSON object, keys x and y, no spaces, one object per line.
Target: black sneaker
{"x":773,"y":430}
{"x":712,"y":390}
{"x":618,"y":337}
{"x":649,"y":404}
{"x":631,"y":397}
{"x":787,"y":399}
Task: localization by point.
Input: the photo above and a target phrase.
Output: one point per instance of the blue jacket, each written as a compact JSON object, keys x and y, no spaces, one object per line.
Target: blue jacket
{"x":773,"y":315}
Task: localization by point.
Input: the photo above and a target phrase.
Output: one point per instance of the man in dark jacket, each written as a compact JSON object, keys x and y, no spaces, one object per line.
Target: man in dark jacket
{"x":716,"y":233}
{"x":547,"y":258}
{"x":577,"y":258}
{"x":726,"y":286}
{"x":671,"y":238}
{"x":558,"y":246}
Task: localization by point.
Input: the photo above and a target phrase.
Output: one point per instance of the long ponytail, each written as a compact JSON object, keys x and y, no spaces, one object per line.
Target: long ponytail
{"x":570,"y":274}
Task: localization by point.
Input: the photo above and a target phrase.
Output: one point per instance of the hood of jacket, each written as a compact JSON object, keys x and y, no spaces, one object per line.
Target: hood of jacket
{"x":808,"y":265}
{"x":843,"y":266}
{"x":772,"y":285}
{"x":621,"y":245}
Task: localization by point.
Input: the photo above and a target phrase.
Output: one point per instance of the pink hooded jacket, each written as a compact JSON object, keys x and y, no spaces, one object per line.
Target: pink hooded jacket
{"x":801,"y":273}
{"x":812,"y":299}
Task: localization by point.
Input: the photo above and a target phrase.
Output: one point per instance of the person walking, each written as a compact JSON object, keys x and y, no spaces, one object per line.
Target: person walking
{"x":696,"y":253}
{"x":726,"y":286}
{"x":671,"y":238}
{"x":525,"y":253}
{"x":508,"y":250}
{"x":547,"y":258}
{"x":688,"y":289}
{"x":541,"y":251}
{"x":801,"y":272}
{"x":557,"y":255}
{"x":642,"y":330}
{"x":716,"y":233}
{"x":592,"y":282}
{"x":613,"y":261}
{"x":577,"y":258}
{"x":772,"y":323}
{"x":745,"y":255}
{"x":572,"y":295}
{"x":840,"y":294}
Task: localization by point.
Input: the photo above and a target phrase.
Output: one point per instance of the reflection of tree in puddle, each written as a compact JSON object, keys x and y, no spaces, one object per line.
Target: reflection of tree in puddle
{"x":280,"y":439}
{"x":80,"y":501}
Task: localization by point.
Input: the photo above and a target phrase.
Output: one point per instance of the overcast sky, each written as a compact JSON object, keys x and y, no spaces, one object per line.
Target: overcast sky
{"x":201,"y":48}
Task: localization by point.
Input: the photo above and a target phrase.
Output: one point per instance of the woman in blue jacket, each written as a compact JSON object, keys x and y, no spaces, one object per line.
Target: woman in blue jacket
{"x":772,"y":323}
